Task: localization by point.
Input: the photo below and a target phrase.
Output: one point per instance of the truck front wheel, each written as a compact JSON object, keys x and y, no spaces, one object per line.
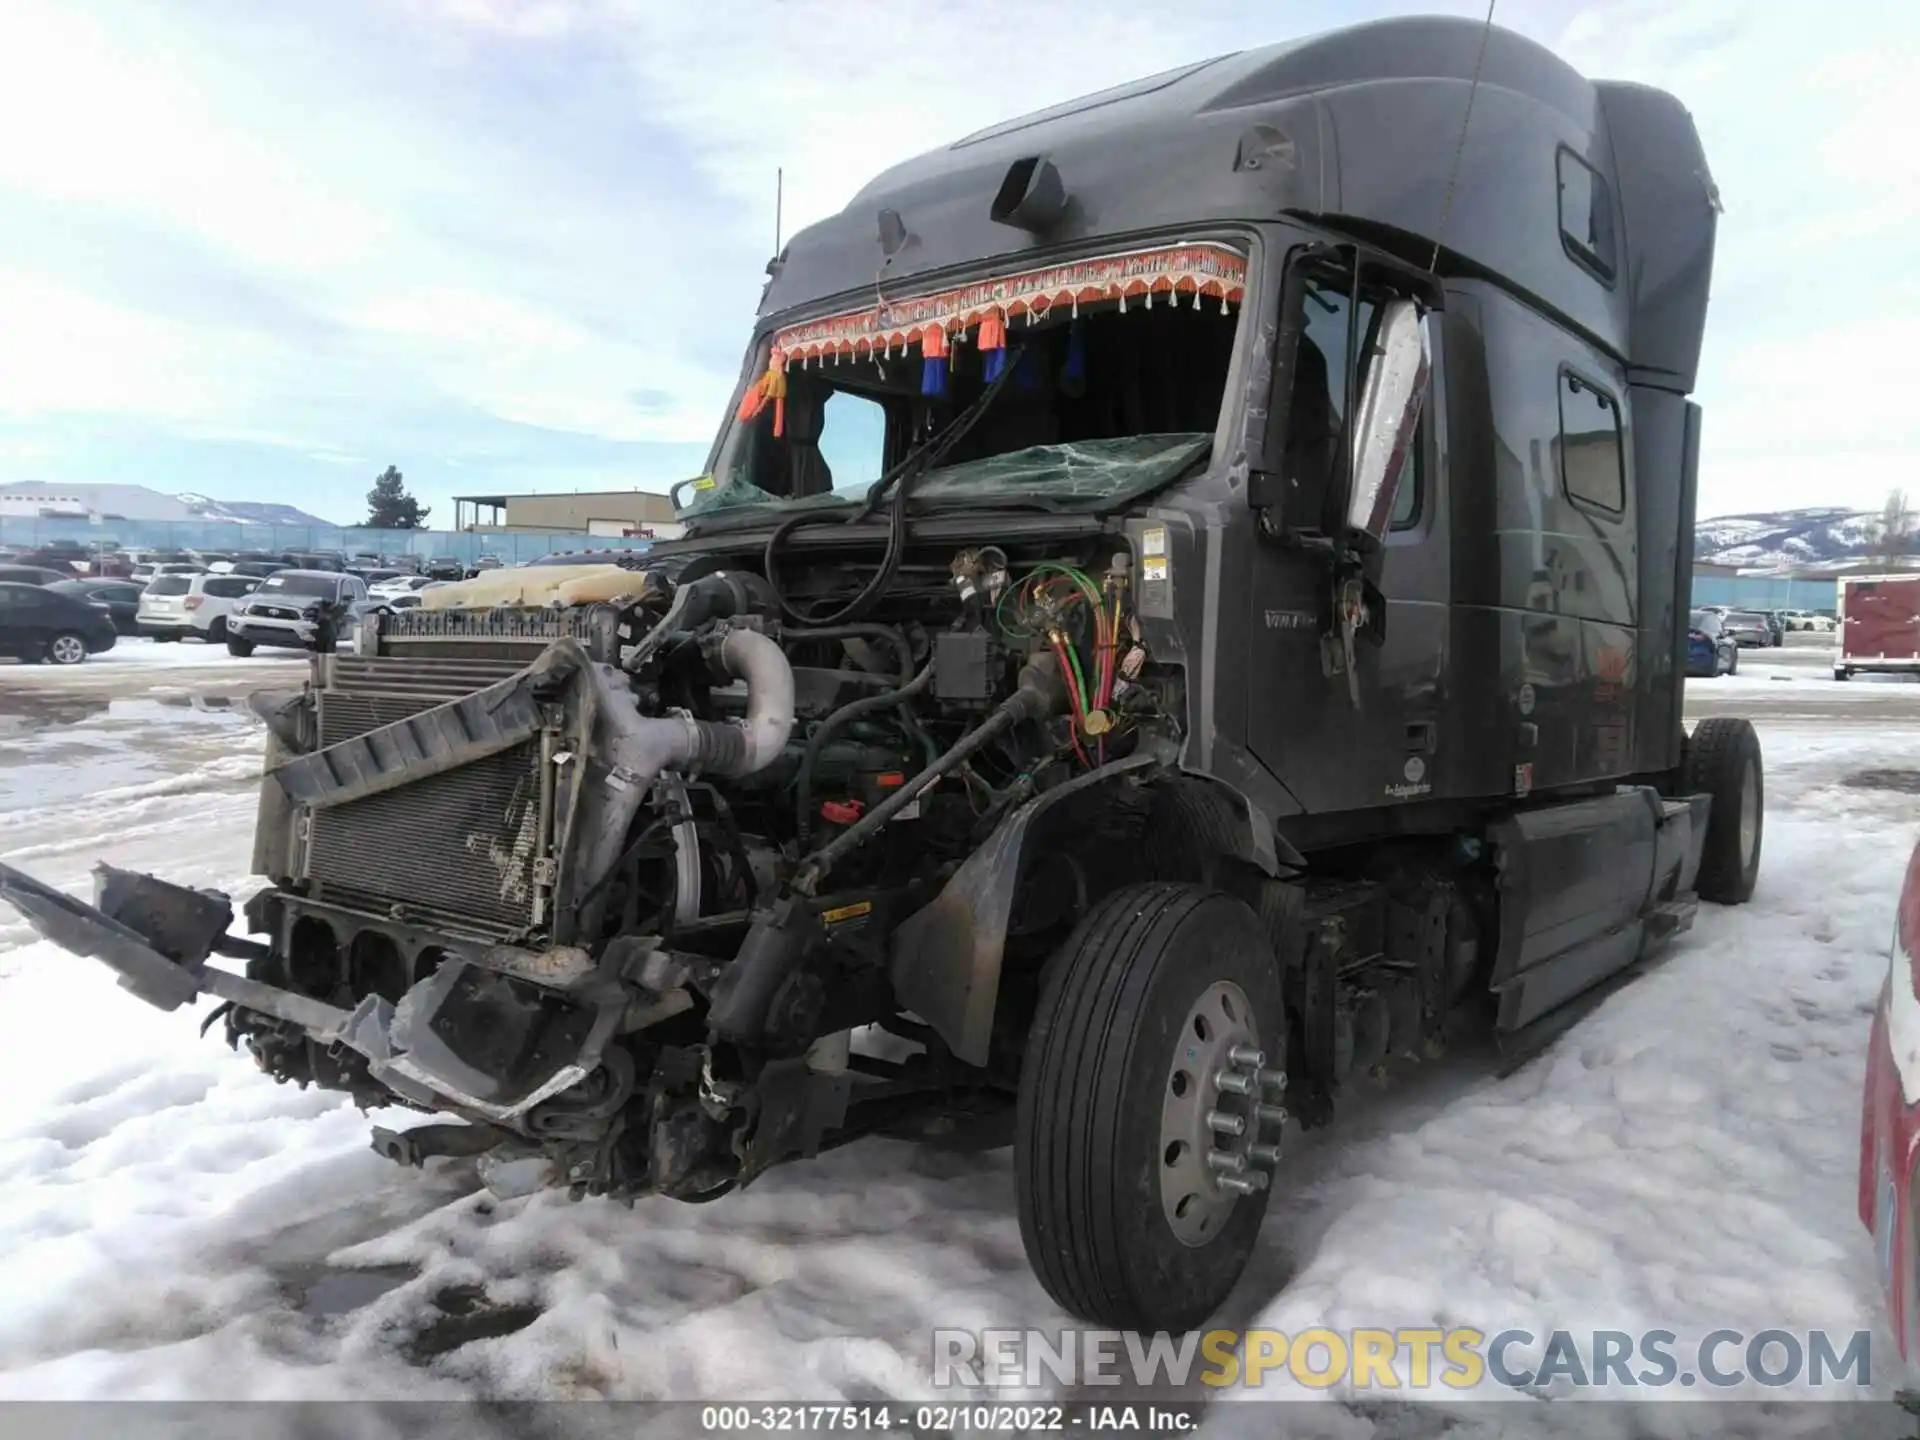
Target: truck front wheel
{"x":1723,"y":761}
{"x":1149,"y":1118}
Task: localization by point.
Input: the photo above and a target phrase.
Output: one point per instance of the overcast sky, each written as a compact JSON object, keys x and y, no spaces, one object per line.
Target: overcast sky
{"x":262,"y":251}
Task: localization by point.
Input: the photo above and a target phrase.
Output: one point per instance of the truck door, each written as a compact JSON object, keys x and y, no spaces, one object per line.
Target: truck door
{"x":1302,"y":722}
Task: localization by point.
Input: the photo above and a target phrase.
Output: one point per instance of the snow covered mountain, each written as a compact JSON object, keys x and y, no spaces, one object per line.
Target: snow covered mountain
{"x":248,"y":512}
{"x":1786,"y":537}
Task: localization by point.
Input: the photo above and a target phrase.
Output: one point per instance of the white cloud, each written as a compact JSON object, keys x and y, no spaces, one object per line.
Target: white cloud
{"x":62,"y":350}
{"x":88,"y":115}
{"x":533,"y":211}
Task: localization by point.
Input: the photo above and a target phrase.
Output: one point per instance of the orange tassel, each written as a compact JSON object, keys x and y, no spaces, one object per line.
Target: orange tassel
{"x":770,"y":386}
{"x":993,"y":332}
{"x":933,"y":343}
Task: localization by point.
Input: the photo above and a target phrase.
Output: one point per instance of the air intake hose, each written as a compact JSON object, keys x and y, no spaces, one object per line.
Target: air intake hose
{"x":638,"y":747}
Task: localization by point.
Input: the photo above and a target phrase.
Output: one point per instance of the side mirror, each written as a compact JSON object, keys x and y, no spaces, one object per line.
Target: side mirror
{"x":1388,"y":417}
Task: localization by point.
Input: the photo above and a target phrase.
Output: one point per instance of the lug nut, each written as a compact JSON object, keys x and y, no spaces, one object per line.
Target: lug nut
{"x":1248,"y":1056}
{"x":1264,"y":1154}
{"x":1243,"y":1184}
{"x":1233,"y":1082}
{"x":1222,"y":1123}
{"x":1272,"y":1079}
{"x":1220,"y":1160}
{"x":1270,"y":1114}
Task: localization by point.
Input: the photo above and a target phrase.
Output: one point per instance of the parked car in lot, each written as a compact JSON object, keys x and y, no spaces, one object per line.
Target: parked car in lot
{"x":446,"y":567}
{"x":38,"y":624}
{"x":285,"y":611}
{"x":398,"y":585}
{"x":31,"y":575}
{"x":1776,"y":626}
{"x":55,"y":557}
{"x":1711,"y":652}
{"x":120,"y":597}
{"x":174,"y":607}
{"x":1748,"y":628}
{"x":147,"y":571}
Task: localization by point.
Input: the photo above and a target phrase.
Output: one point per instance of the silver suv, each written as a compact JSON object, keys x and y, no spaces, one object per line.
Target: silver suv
{"x":285,"y":610}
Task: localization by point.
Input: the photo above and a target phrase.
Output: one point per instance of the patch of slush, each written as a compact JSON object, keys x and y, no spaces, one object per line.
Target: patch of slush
{"x":1682,"y":1159}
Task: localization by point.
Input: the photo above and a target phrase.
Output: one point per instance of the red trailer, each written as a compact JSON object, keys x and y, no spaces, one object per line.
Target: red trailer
{"x":1879,"y":624}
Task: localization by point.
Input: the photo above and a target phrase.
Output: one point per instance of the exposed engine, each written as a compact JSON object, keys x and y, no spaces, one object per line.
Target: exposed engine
{"x":616,"y":882}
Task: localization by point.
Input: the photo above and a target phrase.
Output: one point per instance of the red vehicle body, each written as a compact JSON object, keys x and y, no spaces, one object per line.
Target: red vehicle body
{"x":1890,"y":1123}
{"x":1879,"y":624}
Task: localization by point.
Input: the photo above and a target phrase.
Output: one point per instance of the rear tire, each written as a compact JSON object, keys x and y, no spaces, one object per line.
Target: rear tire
{"x":66,"y":648}
{"x":240,"y":648}
{"x":217,"y":631}
{"x":1122,"y":1221}
{"x":1733,"y":662}
{"x":1723,"y":761}
{"x":1842,"y":674}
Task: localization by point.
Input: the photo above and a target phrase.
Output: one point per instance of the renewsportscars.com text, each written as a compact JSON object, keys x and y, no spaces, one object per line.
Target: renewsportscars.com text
{"x":1408,"y":1359}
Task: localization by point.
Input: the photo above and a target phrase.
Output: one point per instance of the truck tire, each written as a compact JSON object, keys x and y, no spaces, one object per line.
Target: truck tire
{"x":1723,"y":761}
{"x":1163,"y":990}
{"x":241,"y":648}
{"x":1733,"y":663}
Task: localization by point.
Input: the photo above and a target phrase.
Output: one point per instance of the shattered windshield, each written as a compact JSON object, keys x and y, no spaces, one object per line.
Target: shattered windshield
{"x":1081,"y":471}
{"x":1096,"y":379}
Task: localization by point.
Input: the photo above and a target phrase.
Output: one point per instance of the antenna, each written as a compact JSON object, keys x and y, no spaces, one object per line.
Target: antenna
{"x":779,"y":195}
{"x":1460,"y":149}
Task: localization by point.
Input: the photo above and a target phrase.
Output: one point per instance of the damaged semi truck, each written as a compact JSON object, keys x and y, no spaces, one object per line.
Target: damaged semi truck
{"x":1189,"y":601}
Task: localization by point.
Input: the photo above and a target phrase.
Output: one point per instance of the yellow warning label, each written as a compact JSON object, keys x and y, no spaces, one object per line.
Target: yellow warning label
{"x":846,"y":912}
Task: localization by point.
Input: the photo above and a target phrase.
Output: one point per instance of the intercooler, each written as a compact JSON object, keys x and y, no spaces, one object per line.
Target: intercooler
{"x":458,"y":849}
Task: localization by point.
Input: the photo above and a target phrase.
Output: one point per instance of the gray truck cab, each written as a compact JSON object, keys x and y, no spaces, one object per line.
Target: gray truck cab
{"x":1188,"y":605}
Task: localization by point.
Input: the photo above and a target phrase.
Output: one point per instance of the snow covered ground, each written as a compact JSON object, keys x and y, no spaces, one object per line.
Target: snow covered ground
{"x":172,"y":1225}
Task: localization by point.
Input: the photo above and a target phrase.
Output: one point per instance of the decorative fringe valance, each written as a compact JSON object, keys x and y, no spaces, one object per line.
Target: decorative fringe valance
{"x":1176,"y":275}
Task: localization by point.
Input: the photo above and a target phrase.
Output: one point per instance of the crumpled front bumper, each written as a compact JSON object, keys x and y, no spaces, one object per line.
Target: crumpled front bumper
{"x":158,"y":938}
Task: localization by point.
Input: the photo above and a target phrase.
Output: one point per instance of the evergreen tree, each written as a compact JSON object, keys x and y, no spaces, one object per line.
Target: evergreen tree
{"x":390,"y":507}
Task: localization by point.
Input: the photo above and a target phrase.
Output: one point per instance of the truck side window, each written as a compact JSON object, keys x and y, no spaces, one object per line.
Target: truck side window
{"x":1317,"y":410}
{"x":1592,"y":459}
{"x":1586,"y":215}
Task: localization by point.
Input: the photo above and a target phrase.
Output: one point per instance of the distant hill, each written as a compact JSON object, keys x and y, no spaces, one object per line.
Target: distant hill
{"x":1816,"y":536}
{"x":249,"y":512}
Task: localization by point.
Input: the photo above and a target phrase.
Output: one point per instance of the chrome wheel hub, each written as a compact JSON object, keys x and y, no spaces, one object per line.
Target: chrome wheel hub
{"x":1220,"y":1116}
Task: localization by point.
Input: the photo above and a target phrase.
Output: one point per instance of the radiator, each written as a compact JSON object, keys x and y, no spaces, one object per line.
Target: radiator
{"x":455,"y":849}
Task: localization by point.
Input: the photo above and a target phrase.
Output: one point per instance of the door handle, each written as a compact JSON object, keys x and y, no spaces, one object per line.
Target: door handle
{"x":1423,"y":737}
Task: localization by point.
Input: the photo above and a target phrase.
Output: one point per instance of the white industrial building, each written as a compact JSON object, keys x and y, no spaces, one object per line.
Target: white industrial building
{"x":41,"y":499}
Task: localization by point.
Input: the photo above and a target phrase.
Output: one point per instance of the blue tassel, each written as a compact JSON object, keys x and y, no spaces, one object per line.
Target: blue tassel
{"x":933,"y":376}
{"x":996,"y":364}
{"x":1073,"y":376}
{"x":1026,"y":374}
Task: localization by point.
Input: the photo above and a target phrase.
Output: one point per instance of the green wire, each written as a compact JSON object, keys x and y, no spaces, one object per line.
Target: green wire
{"x":1079,"y":679}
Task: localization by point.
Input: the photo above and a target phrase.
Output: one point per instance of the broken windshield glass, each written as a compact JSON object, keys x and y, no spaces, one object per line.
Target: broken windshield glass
{"x":1080,"y":471}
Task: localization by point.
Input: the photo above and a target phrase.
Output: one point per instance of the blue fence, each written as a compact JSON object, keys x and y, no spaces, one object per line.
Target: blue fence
{"x":1764,"y":592}
{"x":512,"y":547}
